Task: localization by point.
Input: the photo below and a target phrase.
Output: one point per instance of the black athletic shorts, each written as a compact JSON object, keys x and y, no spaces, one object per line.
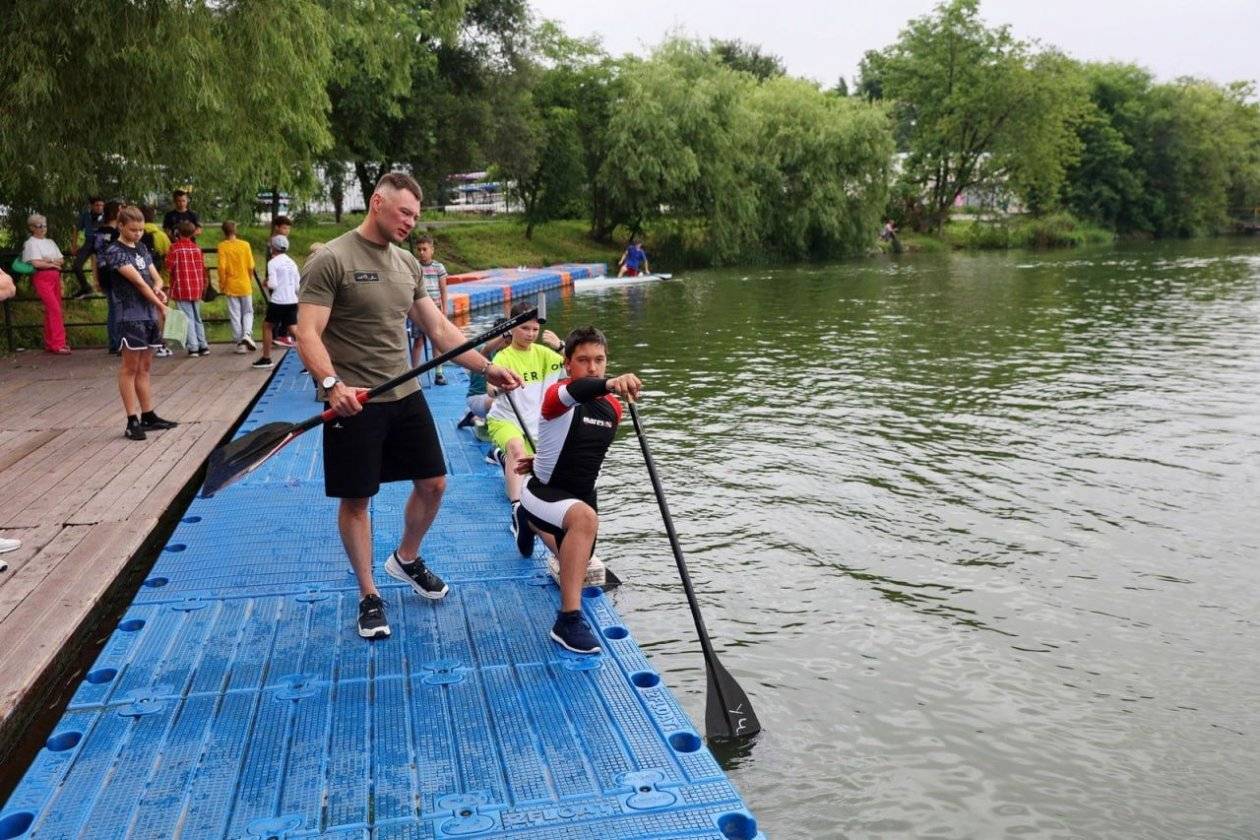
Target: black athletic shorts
{"x":139,"y":335}
{"x":281,"y":314}
{"x":386,"y":441}
{"x":545,"y":506}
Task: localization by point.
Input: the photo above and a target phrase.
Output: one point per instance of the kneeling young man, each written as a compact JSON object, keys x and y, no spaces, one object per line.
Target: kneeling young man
{"x":579,"y":419}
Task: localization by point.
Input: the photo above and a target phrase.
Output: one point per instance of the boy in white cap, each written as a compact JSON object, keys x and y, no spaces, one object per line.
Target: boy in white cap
{"x":283,"y":279}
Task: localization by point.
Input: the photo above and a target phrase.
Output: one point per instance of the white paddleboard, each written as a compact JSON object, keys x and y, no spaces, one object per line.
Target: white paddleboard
{"x":615,"y":282}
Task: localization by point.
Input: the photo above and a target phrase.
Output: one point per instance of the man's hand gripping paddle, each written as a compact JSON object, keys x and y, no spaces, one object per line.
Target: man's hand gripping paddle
{"x":238,"y":458}
{"x":727,"y":711}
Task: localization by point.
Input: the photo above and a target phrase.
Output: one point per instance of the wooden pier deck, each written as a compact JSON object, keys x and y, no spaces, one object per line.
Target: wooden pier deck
{"x":83,"y":499}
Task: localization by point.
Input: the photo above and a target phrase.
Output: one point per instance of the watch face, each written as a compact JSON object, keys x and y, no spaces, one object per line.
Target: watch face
{"x":329,"y":381}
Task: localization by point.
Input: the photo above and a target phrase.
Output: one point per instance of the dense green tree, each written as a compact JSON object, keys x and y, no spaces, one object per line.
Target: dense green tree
{"x":1199,"y":151}
{"x":682,"y":137}
{"x":825,"y":164}
{"x":1165,"y":159}
{"x":129,"y":99}
{"x":780,"y":167}
{"x":579,"y":76}
{"x":1107,"y":184}
{"x":748,"y":58}
{"x":978,"y":107}
{"x":552,"y":185}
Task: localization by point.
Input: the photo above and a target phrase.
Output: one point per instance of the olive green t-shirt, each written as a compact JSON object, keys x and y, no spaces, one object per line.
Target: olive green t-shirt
{"x":369,"y":289}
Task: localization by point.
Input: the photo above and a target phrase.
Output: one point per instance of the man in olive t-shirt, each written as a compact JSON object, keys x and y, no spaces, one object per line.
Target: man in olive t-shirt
{"x":355,"y":294}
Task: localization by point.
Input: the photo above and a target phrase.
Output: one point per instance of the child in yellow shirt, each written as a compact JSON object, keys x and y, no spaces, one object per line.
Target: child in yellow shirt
{"x":236,"y":269}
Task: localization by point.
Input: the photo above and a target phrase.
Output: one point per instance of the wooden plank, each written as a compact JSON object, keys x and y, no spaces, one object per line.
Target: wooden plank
{"x":112,"y":454}
{"x":39,"y":472}
{"x":85,"y":498}
{"x":38,"y":564}
{"x":122,"y":494}
{"x":38,"y":627}
{"x":175,"y":480}
{"x":17,"y":445}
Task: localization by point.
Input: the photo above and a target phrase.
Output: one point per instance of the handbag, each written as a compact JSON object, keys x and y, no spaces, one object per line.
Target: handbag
{"x":210,"y":293}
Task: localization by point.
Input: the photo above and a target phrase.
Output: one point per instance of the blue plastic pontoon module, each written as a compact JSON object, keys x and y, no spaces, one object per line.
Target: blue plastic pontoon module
{"x":235,"y":699}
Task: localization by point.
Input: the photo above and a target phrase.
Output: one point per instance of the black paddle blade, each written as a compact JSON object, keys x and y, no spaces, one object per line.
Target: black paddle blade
{"x":727,"y":711}
{"x":611,"y":581}
{"x":236,"y":459}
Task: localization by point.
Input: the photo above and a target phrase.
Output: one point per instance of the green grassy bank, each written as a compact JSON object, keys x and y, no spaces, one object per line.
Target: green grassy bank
{"x":1057,"y":230}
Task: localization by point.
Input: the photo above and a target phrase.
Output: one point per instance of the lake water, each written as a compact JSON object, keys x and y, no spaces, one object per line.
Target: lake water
{"x":978,"y":534}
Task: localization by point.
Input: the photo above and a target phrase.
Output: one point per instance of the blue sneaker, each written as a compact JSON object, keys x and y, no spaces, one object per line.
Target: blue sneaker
{"x":572,"y":632}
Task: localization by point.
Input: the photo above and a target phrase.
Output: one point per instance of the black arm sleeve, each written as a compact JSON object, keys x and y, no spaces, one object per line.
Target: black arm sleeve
{"x":588,"y":388}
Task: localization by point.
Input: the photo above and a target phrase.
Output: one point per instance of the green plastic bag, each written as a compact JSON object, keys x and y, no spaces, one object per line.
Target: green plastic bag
{"x":176,"y":328}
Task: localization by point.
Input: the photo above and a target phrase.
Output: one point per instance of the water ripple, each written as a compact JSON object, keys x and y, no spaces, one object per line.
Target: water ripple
{"x":977,"y":533}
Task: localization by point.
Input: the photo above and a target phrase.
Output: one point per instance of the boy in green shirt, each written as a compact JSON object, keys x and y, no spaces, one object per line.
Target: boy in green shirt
{"x":538,"y":366}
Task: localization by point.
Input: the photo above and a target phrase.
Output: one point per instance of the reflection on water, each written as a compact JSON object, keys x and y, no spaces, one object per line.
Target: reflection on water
{"x":977,"y":534}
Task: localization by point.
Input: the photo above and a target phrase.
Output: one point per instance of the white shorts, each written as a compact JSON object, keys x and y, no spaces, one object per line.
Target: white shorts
{"x":546,"y":506}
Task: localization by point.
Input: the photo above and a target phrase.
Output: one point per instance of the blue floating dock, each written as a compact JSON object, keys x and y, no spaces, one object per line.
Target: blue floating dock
{"x":498,"y":286}
{"x":236,"y":700}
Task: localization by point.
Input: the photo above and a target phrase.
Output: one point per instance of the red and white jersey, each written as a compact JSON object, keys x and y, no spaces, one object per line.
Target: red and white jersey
{"x":579,"y":421}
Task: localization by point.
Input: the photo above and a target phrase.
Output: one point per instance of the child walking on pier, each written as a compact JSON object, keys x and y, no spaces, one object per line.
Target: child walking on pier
{"x":236,"y":269}
{"x":188,"y":284}
{"x":283,"y":279}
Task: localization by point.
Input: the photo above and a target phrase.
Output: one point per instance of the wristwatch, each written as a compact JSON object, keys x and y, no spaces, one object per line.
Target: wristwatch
{"x":329,"y":381}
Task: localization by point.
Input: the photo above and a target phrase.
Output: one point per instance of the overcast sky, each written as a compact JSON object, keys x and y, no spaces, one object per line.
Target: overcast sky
{"x":1215,"y":39}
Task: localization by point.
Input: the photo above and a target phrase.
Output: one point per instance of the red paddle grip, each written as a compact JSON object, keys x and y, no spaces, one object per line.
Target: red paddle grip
{"x":362,"y":396}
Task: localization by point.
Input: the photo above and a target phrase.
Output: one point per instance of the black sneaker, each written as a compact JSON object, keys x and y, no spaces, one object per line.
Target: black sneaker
{"x":263,"y":363}
{"x":521,"y":530}
{"x":572,"y":632}
{"x":204,"y":351}
{"x":496,"y":457}
{"x":372,"y":623}
{"x":439,"y":379}
{"x":135,"y":430}
{"x":465,"y":421}
{"x":418,"y":575}
{"x":150,"y":422}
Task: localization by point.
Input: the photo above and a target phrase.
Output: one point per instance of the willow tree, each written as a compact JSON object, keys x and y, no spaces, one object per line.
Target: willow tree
{"x":683,"y":137}
{"x":824,"y":169}
{"x":775,"y":165}
{"x":131,"y":98}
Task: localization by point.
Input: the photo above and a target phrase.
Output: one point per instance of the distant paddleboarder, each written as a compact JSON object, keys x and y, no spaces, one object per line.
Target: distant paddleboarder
{"x":634,"y":261}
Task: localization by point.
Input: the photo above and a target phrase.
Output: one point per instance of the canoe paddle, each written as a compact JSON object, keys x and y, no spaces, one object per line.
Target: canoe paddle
{"x":727,"y":711}
{"x":611,"y":581}
{"x":238,"y":458}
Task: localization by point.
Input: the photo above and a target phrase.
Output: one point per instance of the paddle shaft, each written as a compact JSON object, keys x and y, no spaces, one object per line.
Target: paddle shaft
{"x":520,"y":420}
{"x":710,"y":657}
{"x":673,"y":536}
{"x":364,"y":396}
